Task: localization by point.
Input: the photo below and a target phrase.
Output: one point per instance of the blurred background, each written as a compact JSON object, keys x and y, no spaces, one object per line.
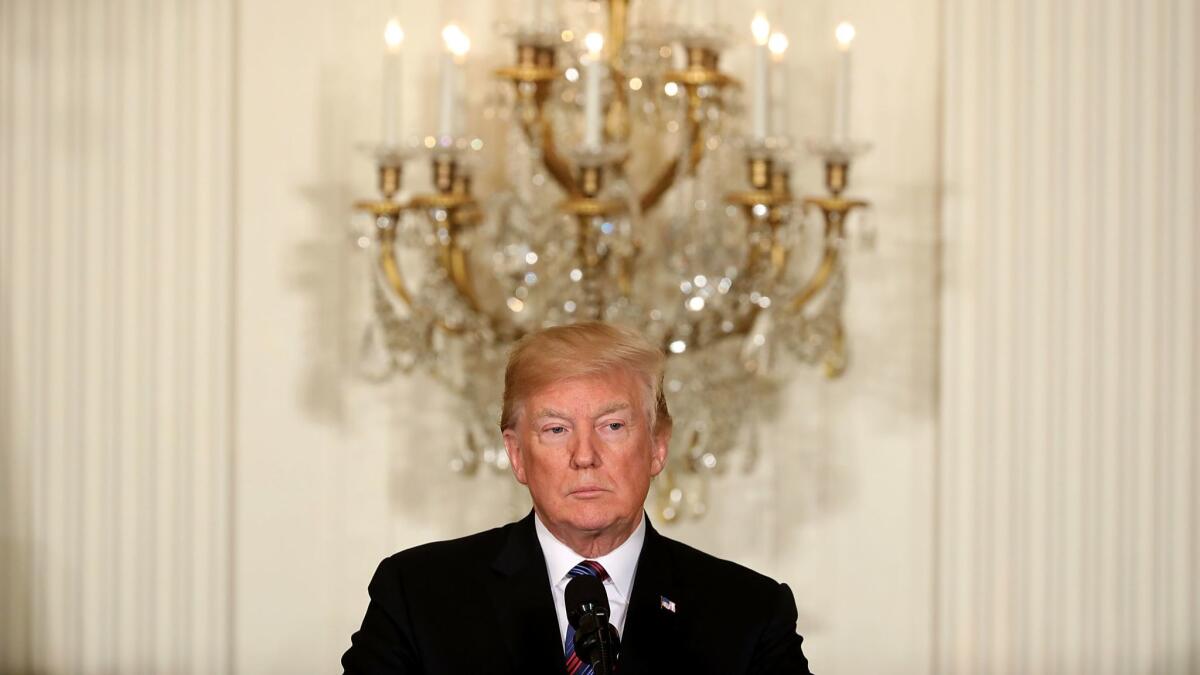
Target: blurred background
{"x":195,"y":476}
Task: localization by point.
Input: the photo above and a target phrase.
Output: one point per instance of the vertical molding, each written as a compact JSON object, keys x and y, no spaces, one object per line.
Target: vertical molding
{"x":1188,"y":173}
{"x":1067,"y":517}
{"x":12,"y":502}
{"x":115,"y":333}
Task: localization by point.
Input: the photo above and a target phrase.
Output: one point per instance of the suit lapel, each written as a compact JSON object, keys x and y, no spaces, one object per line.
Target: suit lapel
{"x":523,"y":604}
{"x":651,"y":631}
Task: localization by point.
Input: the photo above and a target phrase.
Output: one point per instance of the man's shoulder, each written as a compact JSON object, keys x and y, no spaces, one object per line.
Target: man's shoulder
{"x":450,"y":555}
{"x":725,"y":593}
{"x":703,"y":568}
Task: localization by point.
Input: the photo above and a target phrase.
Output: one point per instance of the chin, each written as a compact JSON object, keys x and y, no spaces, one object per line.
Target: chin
{"x":592,"y":518}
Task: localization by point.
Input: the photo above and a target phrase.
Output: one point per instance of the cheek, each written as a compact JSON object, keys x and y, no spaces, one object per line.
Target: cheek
{"x":541,"y":465}
{"x":634,"y":473}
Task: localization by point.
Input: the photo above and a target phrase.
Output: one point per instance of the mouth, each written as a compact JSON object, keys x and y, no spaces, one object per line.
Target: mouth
{"x":587,"y":492}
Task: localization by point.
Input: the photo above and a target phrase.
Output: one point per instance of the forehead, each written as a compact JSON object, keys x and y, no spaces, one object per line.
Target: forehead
{"x":587,"y":393}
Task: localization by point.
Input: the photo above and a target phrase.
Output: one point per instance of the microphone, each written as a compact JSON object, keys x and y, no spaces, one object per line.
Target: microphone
{"x":596,"y":640}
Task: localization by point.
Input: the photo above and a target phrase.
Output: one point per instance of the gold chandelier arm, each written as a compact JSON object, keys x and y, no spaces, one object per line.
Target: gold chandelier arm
{"x":457,"y":213}
{"x":666,"y":178}
{"x":453,"y":260}
{"x":820,"y":278}
{"x":456,"y":210}
{"x":386,"y":260}
{"x":390,"y":268}
{"x":779,"y":258}
{"x":554,"y":163}
{"x":835,"y":210}
{"x":385,"y":237}
{"x":618,"y":24}
{"x":532,"y":77}
{"x":660,"y":186}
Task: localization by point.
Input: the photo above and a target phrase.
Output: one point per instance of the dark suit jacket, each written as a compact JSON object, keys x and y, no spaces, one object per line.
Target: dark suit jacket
{"x":482,"y":604}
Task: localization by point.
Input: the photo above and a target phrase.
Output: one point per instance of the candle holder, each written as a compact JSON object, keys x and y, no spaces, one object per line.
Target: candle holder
{"x":594,"y":215}
{"x":390,"y":162}
{"x":452,"y":211}
{"x":770,"y":190}
{"x":386,"y":213}
{"x":534,"y":65}
{"x":592,"y":163}
{"x":451,"y":176}
{"x":837,"y":156}
{"x":703,"y":64}
{"x":768,"y":200}
{"x":835,"y":209}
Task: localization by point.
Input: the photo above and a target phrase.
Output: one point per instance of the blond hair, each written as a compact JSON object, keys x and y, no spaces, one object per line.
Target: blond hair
{"x":581,"y":350}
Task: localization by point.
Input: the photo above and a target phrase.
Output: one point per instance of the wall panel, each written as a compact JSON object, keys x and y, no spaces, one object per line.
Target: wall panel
{"x":1068,"y":444}
{"x":116,"y":268}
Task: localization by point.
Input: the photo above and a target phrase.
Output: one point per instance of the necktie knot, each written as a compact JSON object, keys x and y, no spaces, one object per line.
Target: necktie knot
{"x":589,"y":568}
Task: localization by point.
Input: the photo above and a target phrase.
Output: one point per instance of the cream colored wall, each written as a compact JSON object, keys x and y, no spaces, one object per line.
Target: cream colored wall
{"x":333,"y":473}
{"x":116,"y":397}
{"x":195,"y":479}
{"x":1068,"y":446}
{"x":841,"y":501}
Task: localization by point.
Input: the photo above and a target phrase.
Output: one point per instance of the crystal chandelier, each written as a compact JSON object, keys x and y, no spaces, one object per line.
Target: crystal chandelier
{"x":643,"y":188}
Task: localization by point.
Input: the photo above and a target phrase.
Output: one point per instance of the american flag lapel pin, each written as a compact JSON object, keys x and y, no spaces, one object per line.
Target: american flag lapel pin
{"x":666,"y":604}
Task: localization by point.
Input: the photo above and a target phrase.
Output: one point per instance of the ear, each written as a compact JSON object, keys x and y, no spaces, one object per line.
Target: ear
{"x":513,"y":448}
{"x":658,"y":451}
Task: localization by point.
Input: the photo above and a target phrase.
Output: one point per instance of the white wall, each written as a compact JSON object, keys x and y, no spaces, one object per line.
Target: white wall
{"x":116,"y":400}
{"x":333,"y":473}
{"x":1070,"y":385}
{"x":194,"y":478}
{"x":842,"y":498}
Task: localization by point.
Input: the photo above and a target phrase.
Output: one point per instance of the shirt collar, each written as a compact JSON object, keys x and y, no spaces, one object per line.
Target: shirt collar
{"x":620,"y":563}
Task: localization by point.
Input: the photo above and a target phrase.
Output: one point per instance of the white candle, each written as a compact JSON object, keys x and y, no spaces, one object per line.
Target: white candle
{"x":457,"y":46}
{"x":841,"y":98}
{"x":593,"y":74}
{"x":761,"y":29}
{"x":778,"y":44}
{"x":393,"y":37}
{"x":446,"y":107}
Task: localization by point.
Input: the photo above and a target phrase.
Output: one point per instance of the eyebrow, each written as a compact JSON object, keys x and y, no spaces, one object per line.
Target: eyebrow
{"x":551,"y":412}
{"x":610,"y":408}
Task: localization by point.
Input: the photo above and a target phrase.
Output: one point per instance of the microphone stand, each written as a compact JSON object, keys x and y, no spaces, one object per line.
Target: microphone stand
{"x":599,"y":642}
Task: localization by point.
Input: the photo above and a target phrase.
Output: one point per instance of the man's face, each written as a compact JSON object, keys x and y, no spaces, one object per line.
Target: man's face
{"x":584,"y":449}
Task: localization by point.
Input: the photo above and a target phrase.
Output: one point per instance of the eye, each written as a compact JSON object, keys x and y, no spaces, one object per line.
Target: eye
{"x":556,"y":430}
{"x":613,"y":428}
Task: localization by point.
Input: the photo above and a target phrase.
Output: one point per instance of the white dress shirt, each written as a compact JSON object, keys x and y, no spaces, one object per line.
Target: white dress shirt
{"x":621,"y":565}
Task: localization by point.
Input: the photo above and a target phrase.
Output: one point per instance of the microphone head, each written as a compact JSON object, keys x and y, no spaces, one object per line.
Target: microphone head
{"x":585,"y":595}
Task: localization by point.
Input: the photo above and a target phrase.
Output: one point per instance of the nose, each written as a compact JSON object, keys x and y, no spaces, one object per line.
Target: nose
{"x":584,"y":453}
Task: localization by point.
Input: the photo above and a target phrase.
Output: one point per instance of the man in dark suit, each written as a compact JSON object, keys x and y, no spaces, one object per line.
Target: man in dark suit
{"x":586,"y":428}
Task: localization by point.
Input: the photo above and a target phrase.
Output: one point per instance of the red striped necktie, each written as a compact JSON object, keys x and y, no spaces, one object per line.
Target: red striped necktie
{"x":575,"y":666}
